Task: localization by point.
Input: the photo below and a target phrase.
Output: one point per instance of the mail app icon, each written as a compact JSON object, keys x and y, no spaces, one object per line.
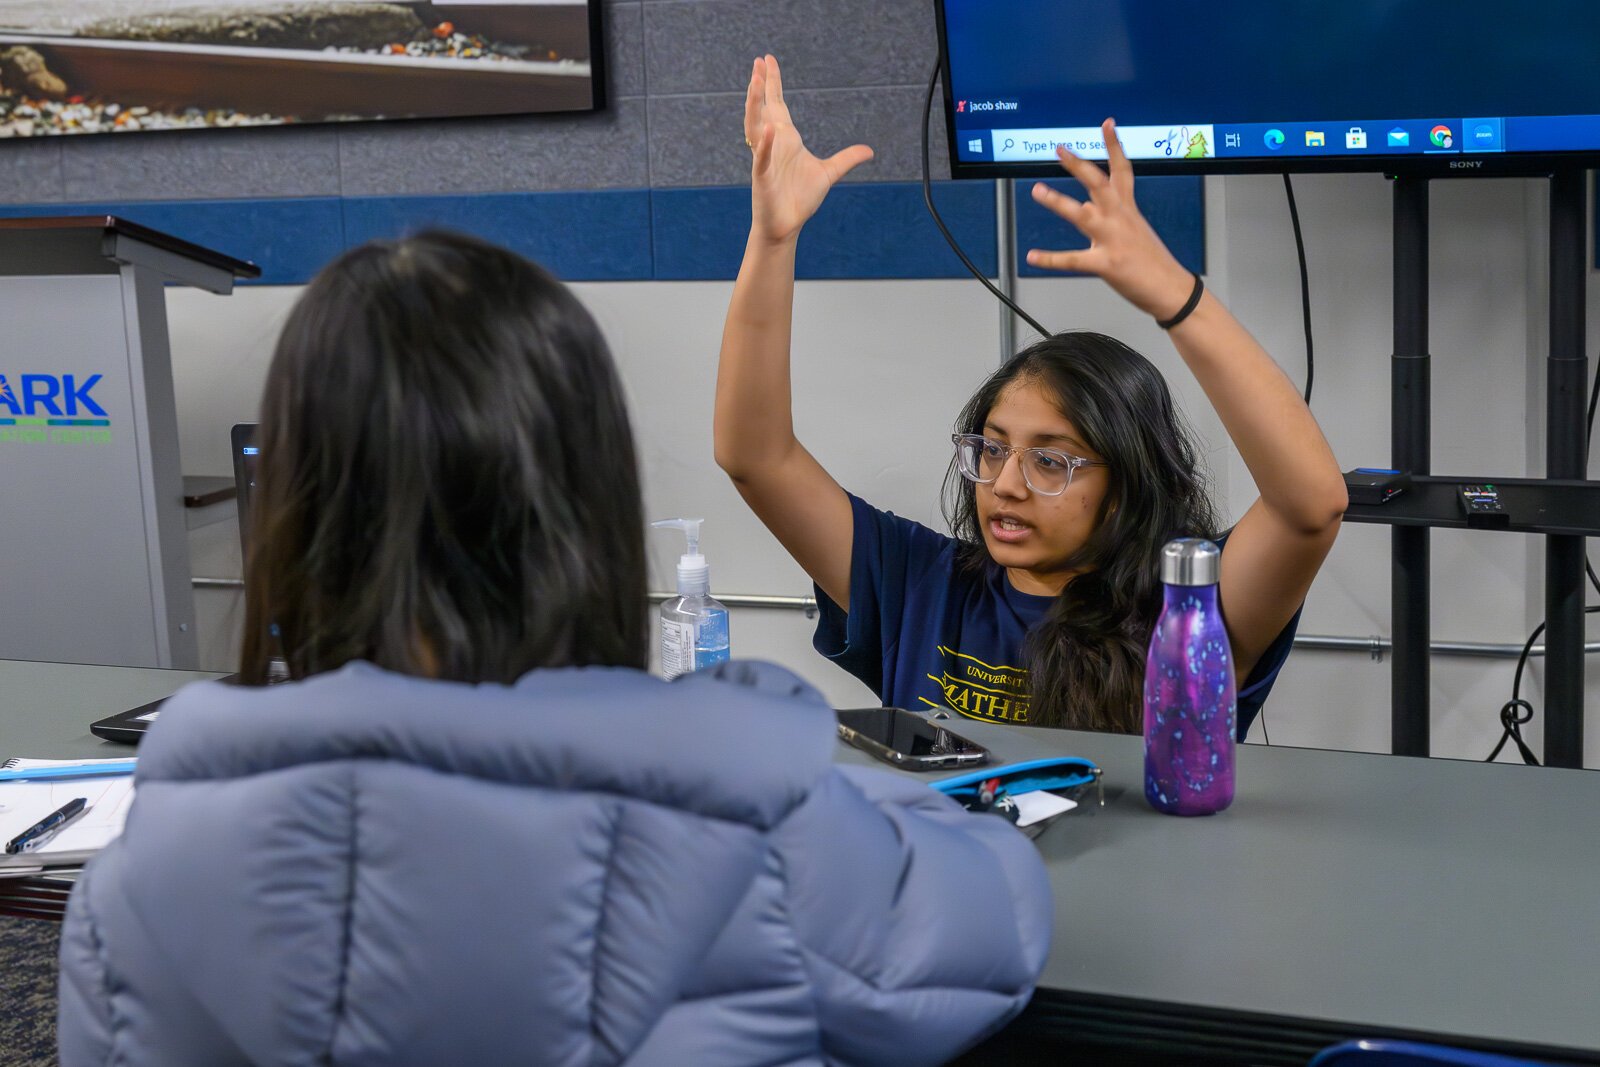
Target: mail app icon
{"x":1399,"y":138}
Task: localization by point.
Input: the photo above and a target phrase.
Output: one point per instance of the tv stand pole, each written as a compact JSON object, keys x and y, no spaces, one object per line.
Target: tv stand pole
{"x":1554,"y":506}
{"x":1566,"y":374}
{"x":1410,"y":438}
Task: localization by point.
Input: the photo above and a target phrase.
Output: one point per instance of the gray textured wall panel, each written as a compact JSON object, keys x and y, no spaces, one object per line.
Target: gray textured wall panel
{"x":623,"y":24}
{"x":695,"y":46}
{"x":699,"y":140}
{"x":851,"y":77}
{"x":604,"y":150}
{"x":30,"y":172}
{"x":202,"y":165}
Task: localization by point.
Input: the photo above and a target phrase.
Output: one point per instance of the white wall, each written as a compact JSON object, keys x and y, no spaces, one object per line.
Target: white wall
{"x":881,"y":369}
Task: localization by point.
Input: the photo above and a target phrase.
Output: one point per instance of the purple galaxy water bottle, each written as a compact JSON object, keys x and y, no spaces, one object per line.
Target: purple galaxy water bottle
{"x":1189,"y":695}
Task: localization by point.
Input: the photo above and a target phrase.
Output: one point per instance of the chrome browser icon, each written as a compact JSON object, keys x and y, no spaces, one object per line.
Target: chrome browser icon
{"x":1274,"y":139}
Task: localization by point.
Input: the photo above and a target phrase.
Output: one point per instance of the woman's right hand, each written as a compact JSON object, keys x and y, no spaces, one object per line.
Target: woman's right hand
{"x":787,"y":182}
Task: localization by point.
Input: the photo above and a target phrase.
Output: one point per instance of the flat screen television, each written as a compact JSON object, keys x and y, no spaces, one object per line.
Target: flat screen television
{"x":121,"y":66}
{"x":1239,"y":86}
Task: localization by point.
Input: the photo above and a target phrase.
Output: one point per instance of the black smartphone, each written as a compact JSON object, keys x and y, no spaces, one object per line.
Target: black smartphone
{"x":907,"y":740}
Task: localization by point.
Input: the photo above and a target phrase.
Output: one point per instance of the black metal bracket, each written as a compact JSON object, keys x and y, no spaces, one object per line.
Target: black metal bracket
{"x":1533,"y":505}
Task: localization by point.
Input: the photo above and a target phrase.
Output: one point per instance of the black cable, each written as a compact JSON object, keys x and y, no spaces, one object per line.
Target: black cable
{"x":927,"y":197}
{"x":1594,"y":395}
{"x":1588,"y":445}
{"x":1305,"y":282}
{"x":1305,"y":310}
{"x":1516,"y":711}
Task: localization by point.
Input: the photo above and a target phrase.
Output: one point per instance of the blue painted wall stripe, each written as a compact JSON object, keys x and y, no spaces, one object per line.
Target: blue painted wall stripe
{"x":580,"y":236}
{"x":1176,"y":208}
{"x":864,"y":230}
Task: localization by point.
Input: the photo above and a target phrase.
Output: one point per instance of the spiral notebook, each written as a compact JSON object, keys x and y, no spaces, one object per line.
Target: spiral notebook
{"x":23,"y":803}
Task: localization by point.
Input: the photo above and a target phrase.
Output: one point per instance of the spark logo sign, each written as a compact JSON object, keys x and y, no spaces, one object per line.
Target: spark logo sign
{"x":48,"y":408}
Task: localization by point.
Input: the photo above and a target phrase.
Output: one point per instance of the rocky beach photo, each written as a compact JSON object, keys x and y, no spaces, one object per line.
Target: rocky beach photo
{"x":96,"y":66}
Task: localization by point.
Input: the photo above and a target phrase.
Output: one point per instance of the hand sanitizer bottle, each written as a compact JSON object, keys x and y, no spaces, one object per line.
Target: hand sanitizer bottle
{"x":694,"y":627}
{"x":1190,"y":708}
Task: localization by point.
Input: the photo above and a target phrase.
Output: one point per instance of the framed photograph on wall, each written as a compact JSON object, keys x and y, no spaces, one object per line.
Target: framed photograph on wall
{"x":123,"y":66}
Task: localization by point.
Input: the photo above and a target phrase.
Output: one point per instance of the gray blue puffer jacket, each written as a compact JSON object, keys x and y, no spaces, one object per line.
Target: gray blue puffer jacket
{"x":590,"y":867}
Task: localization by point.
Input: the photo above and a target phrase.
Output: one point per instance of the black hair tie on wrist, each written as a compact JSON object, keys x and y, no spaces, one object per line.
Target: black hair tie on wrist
{"x":1188,"y":308}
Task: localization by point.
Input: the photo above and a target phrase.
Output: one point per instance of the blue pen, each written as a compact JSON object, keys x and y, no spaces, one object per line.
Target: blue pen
{"x":46,"y":828}
{"x":96,"y":770}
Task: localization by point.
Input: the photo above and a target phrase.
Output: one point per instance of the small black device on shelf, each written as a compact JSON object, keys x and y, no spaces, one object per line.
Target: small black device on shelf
{"x":1481,"y":503}
{"x":1375,"y":485}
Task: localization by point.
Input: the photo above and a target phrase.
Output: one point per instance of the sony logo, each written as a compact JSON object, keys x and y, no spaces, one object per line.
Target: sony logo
{"x":1466,"y":164}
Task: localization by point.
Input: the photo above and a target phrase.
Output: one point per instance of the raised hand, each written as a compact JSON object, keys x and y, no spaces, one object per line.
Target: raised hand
{"x":787,"y":182}
{"x":1123,"y":248}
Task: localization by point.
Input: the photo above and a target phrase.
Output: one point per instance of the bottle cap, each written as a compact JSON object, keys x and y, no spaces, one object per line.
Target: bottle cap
{"x":1190,"y":561}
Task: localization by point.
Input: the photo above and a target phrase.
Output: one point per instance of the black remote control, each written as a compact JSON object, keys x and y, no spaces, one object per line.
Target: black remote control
{"x":1481,"y":503}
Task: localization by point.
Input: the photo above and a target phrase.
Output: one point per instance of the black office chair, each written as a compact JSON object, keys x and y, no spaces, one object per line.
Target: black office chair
{"x":1409,"y":1054}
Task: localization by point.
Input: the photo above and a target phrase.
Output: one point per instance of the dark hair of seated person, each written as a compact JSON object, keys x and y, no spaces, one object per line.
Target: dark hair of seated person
{"x":447,"y":483}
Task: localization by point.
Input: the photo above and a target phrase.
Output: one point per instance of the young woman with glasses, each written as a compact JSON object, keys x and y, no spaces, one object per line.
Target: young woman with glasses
{"x":1071,"y":470}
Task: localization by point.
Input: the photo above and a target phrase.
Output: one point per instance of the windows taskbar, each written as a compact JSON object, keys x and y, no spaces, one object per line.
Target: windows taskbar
{"x":1388,"y":138}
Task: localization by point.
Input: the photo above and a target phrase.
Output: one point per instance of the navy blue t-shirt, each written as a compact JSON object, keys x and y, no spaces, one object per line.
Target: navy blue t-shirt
{"x":924,"y":633}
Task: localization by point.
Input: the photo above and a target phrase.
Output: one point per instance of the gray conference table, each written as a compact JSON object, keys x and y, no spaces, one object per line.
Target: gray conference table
{"x":1342,"y":895}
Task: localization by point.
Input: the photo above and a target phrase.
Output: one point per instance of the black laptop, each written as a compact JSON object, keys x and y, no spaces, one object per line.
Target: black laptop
{"x":129,"y":726}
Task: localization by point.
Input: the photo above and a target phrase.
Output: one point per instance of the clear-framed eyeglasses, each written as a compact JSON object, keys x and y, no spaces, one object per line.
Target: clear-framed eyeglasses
{"x":1048,"y":471}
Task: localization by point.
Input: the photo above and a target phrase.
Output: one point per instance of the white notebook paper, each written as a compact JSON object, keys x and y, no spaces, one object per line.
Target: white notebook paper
{"x":22,"y":804}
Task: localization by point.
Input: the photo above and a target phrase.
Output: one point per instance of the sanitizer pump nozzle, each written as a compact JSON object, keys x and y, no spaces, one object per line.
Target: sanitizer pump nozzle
{"x":694,"y":574}
{"x":694,"y":627}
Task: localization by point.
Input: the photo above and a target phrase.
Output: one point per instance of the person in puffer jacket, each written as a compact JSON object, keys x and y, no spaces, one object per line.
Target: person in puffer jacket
{"x":472,"y":829}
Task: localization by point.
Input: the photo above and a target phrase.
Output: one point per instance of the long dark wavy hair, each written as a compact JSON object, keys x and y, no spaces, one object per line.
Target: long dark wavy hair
{"x":1086,"y":659}
{"x":447,"y":483}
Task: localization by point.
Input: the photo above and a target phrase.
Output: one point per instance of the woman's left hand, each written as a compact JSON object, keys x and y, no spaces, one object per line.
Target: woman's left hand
{"x":1123,"y":248}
